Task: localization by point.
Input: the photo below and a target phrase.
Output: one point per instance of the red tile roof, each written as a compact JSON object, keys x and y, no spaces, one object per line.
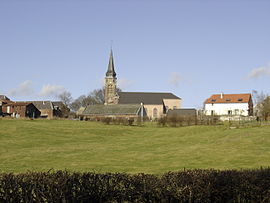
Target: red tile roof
{"x":228,"y":98}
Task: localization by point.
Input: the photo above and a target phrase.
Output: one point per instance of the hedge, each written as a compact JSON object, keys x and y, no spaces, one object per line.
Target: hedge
{"x":185,"y":186}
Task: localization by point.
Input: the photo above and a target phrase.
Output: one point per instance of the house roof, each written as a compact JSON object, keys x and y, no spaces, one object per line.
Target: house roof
{"x":42,"y":105}
{"x":17,"y":104}
{"x":3,"y":97}
{"x":228,"y":98}
{"x":118,"y":109}
{"x":144,"y":97}
{"x":58,"y":103}
{"x":182,"y":112}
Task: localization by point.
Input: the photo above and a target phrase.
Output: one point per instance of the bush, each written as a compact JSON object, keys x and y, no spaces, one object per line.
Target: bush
{"x":184,"y":186}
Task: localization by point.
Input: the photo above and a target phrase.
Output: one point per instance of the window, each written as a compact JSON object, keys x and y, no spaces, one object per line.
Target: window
{"x":174,"y":107}
{"x":212,"y":112}
{"x":213,"y":100}
{"x":236,"y":111}
{"x":228,"y":100}
{"x":230,"y":112}
{"x":240,"y":99}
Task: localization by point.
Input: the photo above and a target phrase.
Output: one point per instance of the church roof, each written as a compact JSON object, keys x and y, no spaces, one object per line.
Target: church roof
{"x":118,"y":109}
{"x":110,"y":71}
{"x":144,"y":97}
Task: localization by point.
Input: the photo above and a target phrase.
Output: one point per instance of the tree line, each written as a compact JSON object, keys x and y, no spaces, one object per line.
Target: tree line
{"x":94,"y":97}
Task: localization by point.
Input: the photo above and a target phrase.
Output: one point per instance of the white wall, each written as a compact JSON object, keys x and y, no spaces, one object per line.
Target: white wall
{"x":222,"y":109}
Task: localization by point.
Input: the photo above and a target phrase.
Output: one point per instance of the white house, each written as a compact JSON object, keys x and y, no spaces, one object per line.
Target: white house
{"x":229,"y":104}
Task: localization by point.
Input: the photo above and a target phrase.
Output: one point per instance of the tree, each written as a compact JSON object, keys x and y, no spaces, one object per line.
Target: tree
{"x":262,"y":104}
{"x":65,"y":97}
{"x":265,"y":108}
{"x":98,"y":96}
{"x":94,"y":97}
{"x":82,"y":101}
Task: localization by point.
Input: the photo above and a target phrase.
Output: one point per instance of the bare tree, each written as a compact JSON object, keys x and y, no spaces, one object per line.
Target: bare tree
{"x":65,"y":97}
{"x":262,"y":104}
{"x":265,"y":108}
{"x":94,"y":97}
{"x":82,"y":101}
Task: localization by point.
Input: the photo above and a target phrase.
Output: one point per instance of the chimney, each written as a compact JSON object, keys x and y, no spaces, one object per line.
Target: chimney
{"x":221,"y":95}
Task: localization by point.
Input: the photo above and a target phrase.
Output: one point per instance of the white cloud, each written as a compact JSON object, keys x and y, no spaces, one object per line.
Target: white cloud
{"x":51,"y":90}
{"x":23,"y":89}
{"x":175,"y":79}
{"x":125,"y":83}
{"x":259,"y":72}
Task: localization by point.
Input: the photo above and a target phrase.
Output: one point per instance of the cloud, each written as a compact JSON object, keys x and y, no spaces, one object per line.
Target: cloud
{"x":125,"y":83}
{"x":51,"y":90}
{"x":259,"y":72}
{"x":175,"y":79}
{"x":23,"y":89}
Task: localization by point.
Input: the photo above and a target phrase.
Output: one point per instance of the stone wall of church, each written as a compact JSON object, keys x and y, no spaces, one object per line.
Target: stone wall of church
{"x":172,"y":103}
{"x":154,"y":111}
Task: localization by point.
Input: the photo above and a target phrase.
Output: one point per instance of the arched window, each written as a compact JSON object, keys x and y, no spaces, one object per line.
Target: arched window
{"x":155,"y":113}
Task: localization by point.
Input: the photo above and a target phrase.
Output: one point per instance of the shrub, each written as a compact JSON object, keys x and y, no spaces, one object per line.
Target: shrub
{"x":184,"y":186}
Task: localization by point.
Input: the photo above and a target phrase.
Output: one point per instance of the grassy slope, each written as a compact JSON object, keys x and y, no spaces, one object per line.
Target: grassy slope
{"x":41,"y":145}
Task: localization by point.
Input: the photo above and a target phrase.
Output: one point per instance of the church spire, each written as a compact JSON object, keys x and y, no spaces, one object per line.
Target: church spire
{"x":110,"y":71}
{"x":110,"y":94}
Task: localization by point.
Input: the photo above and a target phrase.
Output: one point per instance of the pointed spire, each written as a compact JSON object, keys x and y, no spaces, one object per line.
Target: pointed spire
{"x":110,"y":71}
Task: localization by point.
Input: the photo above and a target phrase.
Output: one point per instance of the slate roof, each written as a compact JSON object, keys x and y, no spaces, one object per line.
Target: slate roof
{"x":118,"y":109}
{"x":228,"y":98}
{"x":17,"y":104}
{"x":182,"y":112}
{"x":110,"y":71}
{"x":58,"y":103}
{"x":42,"y":105}
{"x":144,"y":97}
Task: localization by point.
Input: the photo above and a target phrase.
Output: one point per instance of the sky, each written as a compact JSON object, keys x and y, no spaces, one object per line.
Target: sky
{"x":191,"y":48}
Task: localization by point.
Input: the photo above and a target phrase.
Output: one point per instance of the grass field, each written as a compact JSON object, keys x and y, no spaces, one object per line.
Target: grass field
{"x":41,"y":145}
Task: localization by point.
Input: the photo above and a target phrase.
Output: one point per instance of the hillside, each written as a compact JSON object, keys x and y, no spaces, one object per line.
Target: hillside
{"x":41,"y":145}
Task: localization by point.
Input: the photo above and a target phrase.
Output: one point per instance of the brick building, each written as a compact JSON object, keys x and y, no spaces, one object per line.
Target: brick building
{"x":20,"y":109}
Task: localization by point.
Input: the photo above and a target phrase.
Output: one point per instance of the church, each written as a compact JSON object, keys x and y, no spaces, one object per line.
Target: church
{"x":130,"y":104}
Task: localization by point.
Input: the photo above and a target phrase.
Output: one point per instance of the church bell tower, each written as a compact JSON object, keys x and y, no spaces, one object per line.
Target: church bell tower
{"x":110,"y":83}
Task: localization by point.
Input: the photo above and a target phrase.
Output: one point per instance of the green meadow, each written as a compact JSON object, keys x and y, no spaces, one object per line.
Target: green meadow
{"x":42,"y":145}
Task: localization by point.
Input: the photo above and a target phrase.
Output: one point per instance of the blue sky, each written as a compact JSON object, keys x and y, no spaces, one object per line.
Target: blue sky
{"x":190,"y":48}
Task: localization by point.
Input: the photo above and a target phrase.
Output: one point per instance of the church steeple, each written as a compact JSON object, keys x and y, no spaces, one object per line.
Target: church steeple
{"x":110,"y":83}
{"x":110,"y":71}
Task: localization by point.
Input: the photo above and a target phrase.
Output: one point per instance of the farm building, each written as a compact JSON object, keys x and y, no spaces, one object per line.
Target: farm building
{"x":49,"y":109}
{"x":21,"y":109}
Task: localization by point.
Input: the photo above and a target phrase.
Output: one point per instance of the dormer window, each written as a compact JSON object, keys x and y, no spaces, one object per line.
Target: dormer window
{"x":228,"y":100}
{"x":240,"y":99}
{"x":213,"y":100}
